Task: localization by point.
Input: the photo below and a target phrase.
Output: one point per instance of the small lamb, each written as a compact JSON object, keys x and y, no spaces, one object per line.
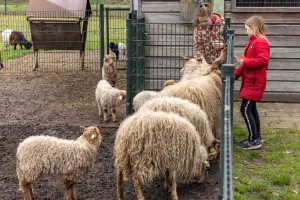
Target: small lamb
{"x":118,"y":49}
{"x":38,"y":155}
{"x":12,"y":37}
{"x":107,"y":98}
{"x":109,"y":70}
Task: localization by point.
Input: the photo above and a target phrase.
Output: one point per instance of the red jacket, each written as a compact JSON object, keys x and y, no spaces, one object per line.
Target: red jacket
{"x":254,"y":69}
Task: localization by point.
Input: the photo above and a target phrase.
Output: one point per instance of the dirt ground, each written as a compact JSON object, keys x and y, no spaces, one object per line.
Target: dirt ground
{"x":57,"y":104}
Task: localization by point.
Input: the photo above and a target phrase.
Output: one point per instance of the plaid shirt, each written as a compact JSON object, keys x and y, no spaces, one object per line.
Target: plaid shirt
{"x":206,"y":35}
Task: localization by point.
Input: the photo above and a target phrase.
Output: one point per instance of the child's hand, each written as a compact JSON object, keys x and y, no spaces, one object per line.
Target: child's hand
{"x":241,"y":61}
{"x":217,"y":45}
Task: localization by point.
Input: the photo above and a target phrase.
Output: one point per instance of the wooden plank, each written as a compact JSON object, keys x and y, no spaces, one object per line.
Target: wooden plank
{"x":175,"y":51}
{"x":275,"y":41}
{"x":177,"y":62}
{"x":272,"y":29}
{"x":277,"y":97}
{"x":293,"y":53}
{"x":162,"y":17}
{"x":240,"y":41}
{"x":276,"y":86}
{"x":160,"y":6}
{"x":230,"y":7}
{"x":163,"y":74}
{"x":170,"y":40}
{"x":293,"y":18}
{"x":174,"y":29}
{"x":282,"y":64}
{"x":280,"y":75}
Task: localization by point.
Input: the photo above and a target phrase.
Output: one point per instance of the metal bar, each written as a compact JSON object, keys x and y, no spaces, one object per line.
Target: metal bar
{"x":130,"y":50}
{"x":107,"y":30}
{"x":101,"y":24}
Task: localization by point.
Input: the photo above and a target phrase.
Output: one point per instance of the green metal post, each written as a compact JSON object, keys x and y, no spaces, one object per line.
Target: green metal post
{"x":225,"y":172}
{"x":107,"y":30}
{"x":101,"y":24}
{"x":130,"y":51}
{"x":5,"y":7}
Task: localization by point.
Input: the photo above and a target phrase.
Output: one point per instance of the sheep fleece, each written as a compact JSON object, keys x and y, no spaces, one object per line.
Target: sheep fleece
{"x":147,"y":144}
{"x":46,"y":154}
{"x":186,"y":109}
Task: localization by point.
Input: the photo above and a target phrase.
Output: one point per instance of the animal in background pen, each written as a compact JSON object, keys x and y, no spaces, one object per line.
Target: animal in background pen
{"x":12,"y":37}
{"x":109,"y":70}
{"x":119,"y":49}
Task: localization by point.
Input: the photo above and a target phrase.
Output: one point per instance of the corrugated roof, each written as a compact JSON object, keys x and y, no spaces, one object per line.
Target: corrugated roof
{"x":58,"y":8}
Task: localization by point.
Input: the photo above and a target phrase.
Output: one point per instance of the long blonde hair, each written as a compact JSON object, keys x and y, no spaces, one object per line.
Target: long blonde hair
{"x":257,"y":24}
{"x":203,"y":10}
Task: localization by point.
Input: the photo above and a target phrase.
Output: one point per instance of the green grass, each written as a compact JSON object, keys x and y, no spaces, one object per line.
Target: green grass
{"x":18,"y":21}
{"x":272,"y":172}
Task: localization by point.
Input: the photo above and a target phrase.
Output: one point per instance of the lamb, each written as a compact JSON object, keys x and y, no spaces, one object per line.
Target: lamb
{"x":38,"y":155}
{"x":187,"y":110}
{"x":109,"y":70}
{"x":12,"y":37}
{"x":152,"y":143}
{"x":108,"y":98}
{"x":119,"y":49}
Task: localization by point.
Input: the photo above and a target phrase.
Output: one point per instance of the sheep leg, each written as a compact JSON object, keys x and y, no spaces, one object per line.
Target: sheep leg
{"x":137,"y":188}
{"x":217,"y":144}
{"x":173,"y":187}
{"x":120,"y":185}
{"x":113,"y":113}
{"x":167,"y":183}
{"x":100,"y":107}
{"x":15,"y":46}
{"x":36,"y":60}
{"x":27,"y":191}
{"x":105,"y":113}
{"x":70,"y":193}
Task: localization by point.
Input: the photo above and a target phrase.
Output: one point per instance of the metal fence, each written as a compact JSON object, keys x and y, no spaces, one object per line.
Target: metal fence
{"x":104,"y":26}
{"x":113,"y":34}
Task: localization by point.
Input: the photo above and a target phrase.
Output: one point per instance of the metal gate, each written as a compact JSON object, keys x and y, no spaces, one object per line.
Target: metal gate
{"x":113,"y":34}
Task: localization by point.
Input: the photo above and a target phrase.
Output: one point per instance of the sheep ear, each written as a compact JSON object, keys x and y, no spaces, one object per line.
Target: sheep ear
{"x":82,"y":127}
{"x":185,"y":58}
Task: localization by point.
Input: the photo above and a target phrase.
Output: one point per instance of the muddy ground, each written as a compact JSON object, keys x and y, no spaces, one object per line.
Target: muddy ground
{"x":57,"y":104}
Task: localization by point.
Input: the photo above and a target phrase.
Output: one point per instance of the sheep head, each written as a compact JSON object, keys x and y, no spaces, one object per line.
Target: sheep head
{"x":28,"y":45}
{"x":195,"y":64}
{"x":122,"y":95}
{"x":92,"y":135}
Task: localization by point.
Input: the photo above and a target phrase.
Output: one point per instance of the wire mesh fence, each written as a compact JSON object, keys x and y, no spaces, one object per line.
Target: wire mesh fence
{"x":267,"y":3}
{"x":58,"y":44}
{"x":115,"y":21}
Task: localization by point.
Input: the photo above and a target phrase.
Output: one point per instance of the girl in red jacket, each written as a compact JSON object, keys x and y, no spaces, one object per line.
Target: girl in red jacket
{"x":253,"y":70}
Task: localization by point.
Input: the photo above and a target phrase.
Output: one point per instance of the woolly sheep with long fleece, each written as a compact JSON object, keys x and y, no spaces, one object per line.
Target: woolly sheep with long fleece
{"x":203,"y":92}
{"x":108,"y":97}
{"x":152,"y":143}
{"x":38,"y":155}
{"x":186,"y":109}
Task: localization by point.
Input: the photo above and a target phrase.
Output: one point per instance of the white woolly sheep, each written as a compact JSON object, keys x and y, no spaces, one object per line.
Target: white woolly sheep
{"x":109,"y":70}
{"x":152,"y":143}
{"x":12,"y":37}
{"x":147,"y":95}
{"x":203,"y":92}
{"x":190,"y":111}
{"x":38,"y":155}
{"x":108,"y":98}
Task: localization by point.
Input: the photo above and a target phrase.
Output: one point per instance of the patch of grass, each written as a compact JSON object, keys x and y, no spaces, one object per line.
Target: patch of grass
{"x":271,"y":172}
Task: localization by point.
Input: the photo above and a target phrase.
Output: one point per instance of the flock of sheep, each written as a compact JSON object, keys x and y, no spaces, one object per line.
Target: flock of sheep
{"x":174,"y":133}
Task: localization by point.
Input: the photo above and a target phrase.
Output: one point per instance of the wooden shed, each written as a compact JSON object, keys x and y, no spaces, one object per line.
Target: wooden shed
{"x":283,"y":30}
